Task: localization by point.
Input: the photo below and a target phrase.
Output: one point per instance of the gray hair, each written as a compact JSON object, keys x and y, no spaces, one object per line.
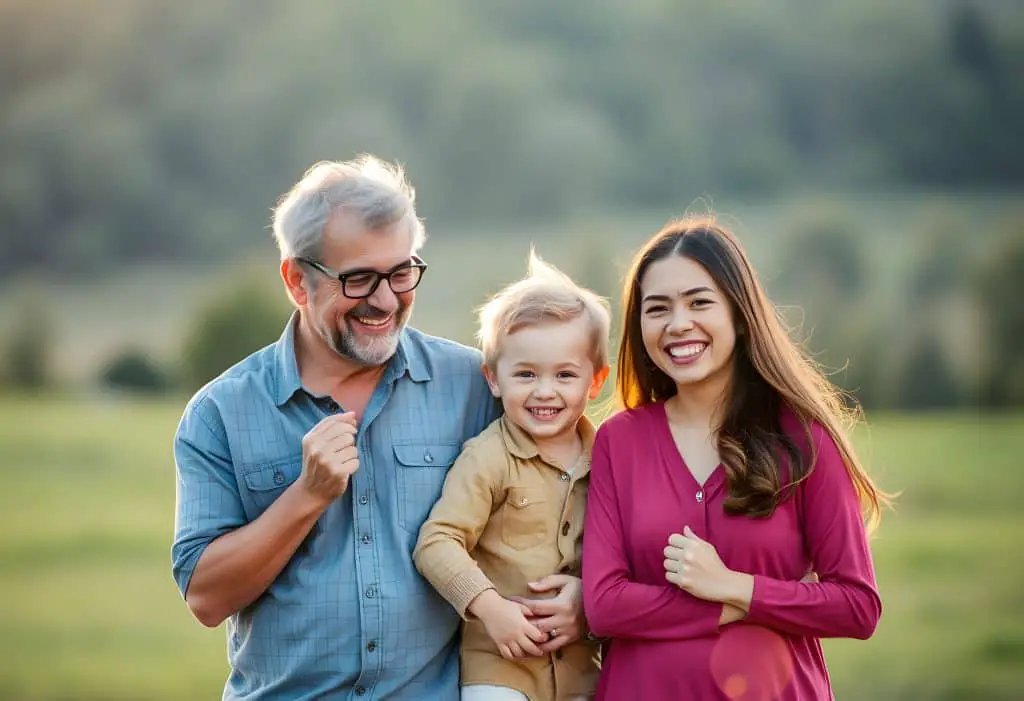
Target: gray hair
{"x":376,"y":191}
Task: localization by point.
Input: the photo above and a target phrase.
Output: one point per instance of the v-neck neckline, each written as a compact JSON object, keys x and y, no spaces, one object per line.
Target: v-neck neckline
{"x":714,"y":481}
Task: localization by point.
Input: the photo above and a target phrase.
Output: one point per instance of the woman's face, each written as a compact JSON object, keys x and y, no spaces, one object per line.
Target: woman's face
{"x":686,"y":322}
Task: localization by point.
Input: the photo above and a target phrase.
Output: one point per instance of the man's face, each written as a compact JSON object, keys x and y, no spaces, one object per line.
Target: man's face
{"x":364,"y":331}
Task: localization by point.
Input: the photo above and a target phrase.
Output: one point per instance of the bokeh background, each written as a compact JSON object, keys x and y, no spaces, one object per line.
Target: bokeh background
{"x":868,"y":153}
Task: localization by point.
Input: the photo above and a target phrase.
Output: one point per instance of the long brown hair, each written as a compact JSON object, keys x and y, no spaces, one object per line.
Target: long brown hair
{"x":769,"y":372}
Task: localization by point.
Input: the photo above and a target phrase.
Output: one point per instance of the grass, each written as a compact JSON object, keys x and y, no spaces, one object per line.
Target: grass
{"x":90,"y":611}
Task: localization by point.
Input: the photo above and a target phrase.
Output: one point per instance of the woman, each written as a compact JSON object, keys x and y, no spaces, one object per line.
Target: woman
{"x":726,"y":479}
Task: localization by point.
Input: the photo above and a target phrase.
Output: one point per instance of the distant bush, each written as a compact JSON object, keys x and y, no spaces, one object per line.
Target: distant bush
{"x":996,"y":285}
{"x":134,"y":370}
{"x":25,"y":354}
{"x":247,"y":314}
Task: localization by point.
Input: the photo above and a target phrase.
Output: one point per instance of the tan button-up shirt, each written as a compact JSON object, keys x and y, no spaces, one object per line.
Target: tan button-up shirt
{"x":506,"y":517}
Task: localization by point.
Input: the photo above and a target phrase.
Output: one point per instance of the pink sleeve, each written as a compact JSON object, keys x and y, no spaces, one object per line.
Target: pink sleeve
{"x":615,"y":606}
{"x":845,"y":602}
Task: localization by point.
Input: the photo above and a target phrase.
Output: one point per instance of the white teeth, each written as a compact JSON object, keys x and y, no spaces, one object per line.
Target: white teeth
{"x":373,"y":322}
{"x":544,"y":412}
{"x":686,"y":351}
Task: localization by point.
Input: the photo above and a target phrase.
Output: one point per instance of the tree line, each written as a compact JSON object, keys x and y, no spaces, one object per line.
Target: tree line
{"x":139,"y":130}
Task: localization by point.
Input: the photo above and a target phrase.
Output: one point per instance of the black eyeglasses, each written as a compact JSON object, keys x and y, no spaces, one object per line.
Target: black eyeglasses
{"x":358,"y":284}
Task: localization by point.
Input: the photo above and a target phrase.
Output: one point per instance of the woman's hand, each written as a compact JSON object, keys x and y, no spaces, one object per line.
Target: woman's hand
{"x":693,"y":565}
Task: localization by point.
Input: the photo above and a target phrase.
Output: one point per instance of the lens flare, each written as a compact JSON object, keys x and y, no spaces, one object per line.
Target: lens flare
{"x":750,"y":663}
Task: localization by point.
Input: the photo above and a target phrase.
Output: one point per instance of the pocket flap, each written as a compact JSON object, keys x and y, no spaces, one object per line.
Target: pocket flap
{"x":521,"y":497}
{"x":274,"y":476}
{"x":426,"y":454}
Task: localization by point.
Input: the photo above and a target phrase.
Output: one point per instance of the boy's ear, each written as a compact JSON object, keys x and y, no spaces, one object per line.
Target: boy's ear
{"x":599,"y":379}
{"x":492,"y":381}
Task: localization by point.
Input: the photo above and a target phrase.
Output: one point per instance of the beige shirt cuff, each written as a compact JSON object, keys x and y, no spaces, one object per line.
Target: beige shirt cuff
{"x":461,"y":590}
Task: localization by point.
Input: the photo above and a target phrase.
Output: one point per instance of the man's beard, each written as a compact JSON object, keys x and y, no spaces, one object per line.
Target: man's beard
{"x":370,"y":352}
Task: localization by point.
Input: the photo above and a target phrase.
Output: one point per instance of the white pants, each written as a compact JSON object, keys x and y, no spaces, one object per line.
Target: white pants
{"x":489,"y":692}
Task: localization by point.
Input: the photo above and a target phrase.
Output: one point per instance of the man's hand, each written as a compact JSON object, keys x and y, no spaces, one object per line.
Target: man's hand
{"x":505,"y":621}
{"x":329,"y":457}
{"x":560,"y":618}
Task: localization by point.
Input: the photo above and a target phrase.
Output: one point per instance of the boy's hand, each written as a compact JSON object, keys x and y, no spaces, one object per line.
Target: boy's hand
{"x":560,"y":618}
{"x":505,"y":621}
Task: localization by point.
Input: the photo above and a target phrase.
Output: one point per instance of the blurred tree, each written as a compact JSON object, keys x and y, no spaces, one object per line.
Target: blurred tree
{"x":245,"y":315}
{"x":26,"y":354}
{"x":998,"y":283}
{"x":971,"y":43}
{"x":925,"y":378}
{"x":133,"y":370}
{"x":824,"y":275}
{"x":163,"y":131}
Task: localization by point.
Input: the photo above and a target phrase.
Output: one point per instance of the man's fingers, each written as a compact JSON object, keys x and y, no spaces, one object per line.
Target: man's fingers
{"x":333,"y":425}
{"x":347,"y":455}
{"x":506,"y":652}
{"x":348,"y":417}
{"x":339,"y":445}
{"x":673,"y":565}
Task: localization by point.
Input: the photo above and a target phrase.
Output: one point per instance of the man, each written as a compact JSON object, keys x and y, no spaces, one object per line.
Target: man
{"x":305,"y":471}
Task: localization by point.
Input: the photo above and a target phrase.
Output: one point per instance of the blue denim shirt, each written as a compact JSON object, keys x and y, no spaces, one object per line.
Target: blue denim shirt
{"x":349,"y":617}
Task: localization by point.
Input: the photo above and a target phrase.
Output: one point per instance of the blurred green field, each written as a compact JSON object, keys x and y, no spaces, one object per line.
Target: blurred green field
{"x":89,"y":610}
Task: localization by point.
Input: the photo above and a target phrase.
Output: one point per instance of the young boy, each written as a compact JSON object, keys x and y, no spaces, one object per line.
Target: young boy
{"x":511,"y":512}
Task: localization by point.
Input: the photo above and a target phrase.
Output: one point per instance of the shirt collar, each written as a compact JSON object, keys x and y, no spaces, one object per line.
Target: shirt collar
{"x":520,"y":444}
{"x":286,"y":376}
{"x":409,"y":358}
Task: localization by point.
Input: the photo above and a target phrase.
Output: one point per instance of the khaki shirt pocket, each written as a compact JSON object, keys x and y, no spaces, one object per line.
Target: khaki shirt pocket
{"x":524,"y":520}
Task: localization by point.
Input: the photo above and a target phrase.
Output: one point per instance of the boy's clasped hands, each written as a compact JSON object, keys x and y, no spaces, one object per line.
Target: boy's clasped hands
{"x":531,"y":627}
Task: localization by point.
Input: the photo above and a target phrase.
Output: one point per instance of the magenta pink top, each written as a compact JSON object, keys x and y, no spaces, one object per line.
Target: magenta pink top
{"x":666,"y":644}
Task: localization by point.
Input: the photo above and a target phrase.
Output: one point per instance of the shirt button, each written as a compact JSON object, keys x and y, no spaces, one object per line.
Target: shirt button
{"x":371,"y":592}
{"x":366,"y":539}
{"x":360,"y":690}
{"x":364,"y":500}
{"x":565,"y":528}
{"x":428,"y":458}
{"x":564,"y":477}
{"x":371,"y":646}
{"x":278,"y":477}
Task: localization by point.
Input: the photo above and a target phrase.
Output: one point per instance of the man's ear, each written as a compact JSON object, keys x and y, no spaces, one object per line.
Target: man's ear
{"x":492,"y":381}
{"x":598,"y":382}
{"x":293,"y":276}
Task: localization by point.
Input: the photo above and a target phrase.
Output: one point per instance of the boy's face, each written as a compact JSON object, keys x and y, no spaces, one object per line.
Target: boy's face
{"x":545,"y":376}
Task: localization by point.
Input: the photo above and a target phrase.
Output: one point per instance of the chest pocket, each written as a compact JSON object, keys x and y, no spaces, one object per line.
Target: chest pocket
{"x":524,"y":519}
{"x":421,"y":469}
{"x":265,"y":483}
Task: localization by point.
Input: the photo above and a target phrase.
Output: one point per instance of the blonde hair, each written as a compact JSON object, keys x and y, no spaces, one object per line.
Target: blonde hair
{"x":545,"y":294}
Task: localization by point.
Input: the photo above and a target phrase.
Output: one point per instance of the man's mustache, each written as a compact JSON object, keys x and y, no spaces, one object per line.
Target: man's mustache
{"x":368,"y":311}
